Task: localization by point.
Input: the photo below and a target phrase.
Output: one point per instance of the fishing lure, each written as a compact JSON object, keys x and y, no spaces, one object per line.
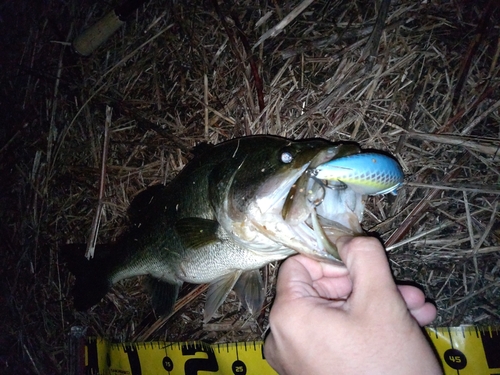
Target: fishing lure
{"x":368,"y":173}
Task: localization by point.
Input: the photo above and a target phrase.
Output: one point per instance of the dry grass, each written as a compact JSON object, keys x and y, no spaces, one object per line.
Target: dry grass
{"x":180,"y":73}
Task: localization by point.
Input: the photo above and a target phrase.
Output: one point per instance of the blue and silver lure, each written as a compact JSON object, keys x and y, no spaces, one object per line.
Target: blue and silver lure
{"x":367,"y":173}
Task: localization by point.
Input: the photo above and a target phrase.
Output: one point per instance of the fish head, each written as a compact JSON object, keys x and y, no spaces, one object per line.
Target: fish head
{"x":266,"y":200}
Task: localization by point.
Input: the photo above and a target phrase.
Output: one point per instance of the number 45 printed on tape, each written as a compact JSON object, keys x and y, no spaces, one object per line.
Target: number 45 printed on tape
{"x":465,"y":350}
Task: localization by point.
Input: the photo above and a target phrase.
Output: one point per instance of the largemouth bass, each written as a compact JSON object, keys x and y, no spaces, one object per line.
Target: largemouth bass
{"x":236,"y":207}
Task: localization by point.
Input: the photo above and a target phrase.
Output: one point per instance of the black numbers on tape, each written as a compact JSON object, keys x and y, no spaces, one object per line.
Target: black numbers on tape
{"x":455,"y":359}
{"x":193,"y":365}
{"x":239,"y":368}
{"x":168,"y":364}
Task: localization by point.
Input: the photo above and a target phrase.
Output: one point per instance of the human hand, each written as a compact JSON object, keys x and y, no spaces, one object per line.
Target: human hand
{"x":352,"y":320}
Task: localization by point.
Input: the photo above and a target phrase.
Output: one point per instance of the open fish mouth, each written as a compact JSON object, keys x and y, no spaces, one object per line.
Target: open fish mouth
{"x":316,"y":214}
{"x":327,"y":212}
{"x":306,"y":215}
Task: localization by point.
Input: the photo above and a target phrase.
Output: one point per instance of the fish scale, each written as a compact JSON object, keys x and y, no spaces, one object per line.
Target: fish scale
{"x":366,"y":173}
{"x":235,"y":207}
{"x":230,"y":211}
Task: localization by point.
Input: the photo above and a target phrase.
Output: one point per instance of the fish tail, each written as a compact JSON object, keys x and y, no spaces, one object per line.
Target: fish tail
{"x":92,"y":275}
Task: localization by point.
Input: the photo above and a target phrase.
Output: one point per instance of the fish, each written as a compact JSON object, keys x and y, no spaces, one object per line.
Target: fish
{"x":235,"y":207}
{"x":367,"y":173}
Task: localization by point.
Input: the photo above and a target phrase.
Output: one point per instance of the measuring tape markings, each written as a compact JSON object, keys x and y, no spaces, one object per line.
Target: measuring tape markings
{"x":188,"y":358}
{"x":465,"y":350}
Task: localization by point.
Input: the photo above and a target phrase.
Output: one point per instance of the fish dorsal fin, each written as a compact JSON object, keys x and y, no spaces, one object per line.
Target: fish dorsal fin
{"x":196,"y":232}
{"x":250,"y":291}
{"x":163,"y":295}
{"x":217,"y":293}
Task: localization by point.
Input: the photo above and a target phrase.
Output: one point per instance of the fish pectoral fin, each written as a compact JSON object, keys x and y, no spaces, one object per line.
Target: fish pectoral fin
{"x":217,"y":293}
{"x":163,"y":295}
{"x":250,"y":291}
{"x":196,"y":232}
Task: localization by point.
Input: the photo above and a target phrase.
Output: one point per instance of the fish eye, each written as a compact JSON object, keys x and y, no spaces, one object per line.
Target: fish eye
{"x":286,"y":157}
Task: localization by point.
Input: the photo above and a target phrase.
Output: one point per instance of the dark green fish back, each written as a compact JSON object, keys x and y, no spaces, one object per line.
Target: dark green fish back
{"x":174,"y":235}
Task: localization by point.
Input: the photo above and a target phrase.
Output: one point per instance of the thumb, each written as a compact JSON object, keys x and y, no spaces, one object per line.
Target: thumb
{"x":367,"y":263}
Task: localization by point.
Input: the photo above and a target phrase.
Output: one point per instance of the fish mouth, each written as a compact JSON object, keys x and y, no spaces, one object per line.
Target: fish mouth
{"x":306,"y":215}
{"x":329,"y":212}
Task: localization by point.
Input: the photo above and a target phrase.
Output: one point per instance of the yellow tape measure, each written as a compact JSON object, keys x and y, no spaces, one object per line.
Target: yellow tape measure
{"x":463,"y":350}
{"x":190,"y":358}
{"x":468,"y":349}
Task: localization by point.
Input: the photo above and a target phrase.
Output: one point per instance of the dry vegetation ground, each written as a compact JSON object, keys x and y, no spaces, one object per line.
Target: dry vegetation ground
{"x":423,"y":86}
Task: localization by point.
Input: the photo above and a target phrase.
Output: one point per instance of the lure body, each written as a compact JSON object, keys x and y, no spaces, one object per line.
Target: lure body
{"x":367,"y":173}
